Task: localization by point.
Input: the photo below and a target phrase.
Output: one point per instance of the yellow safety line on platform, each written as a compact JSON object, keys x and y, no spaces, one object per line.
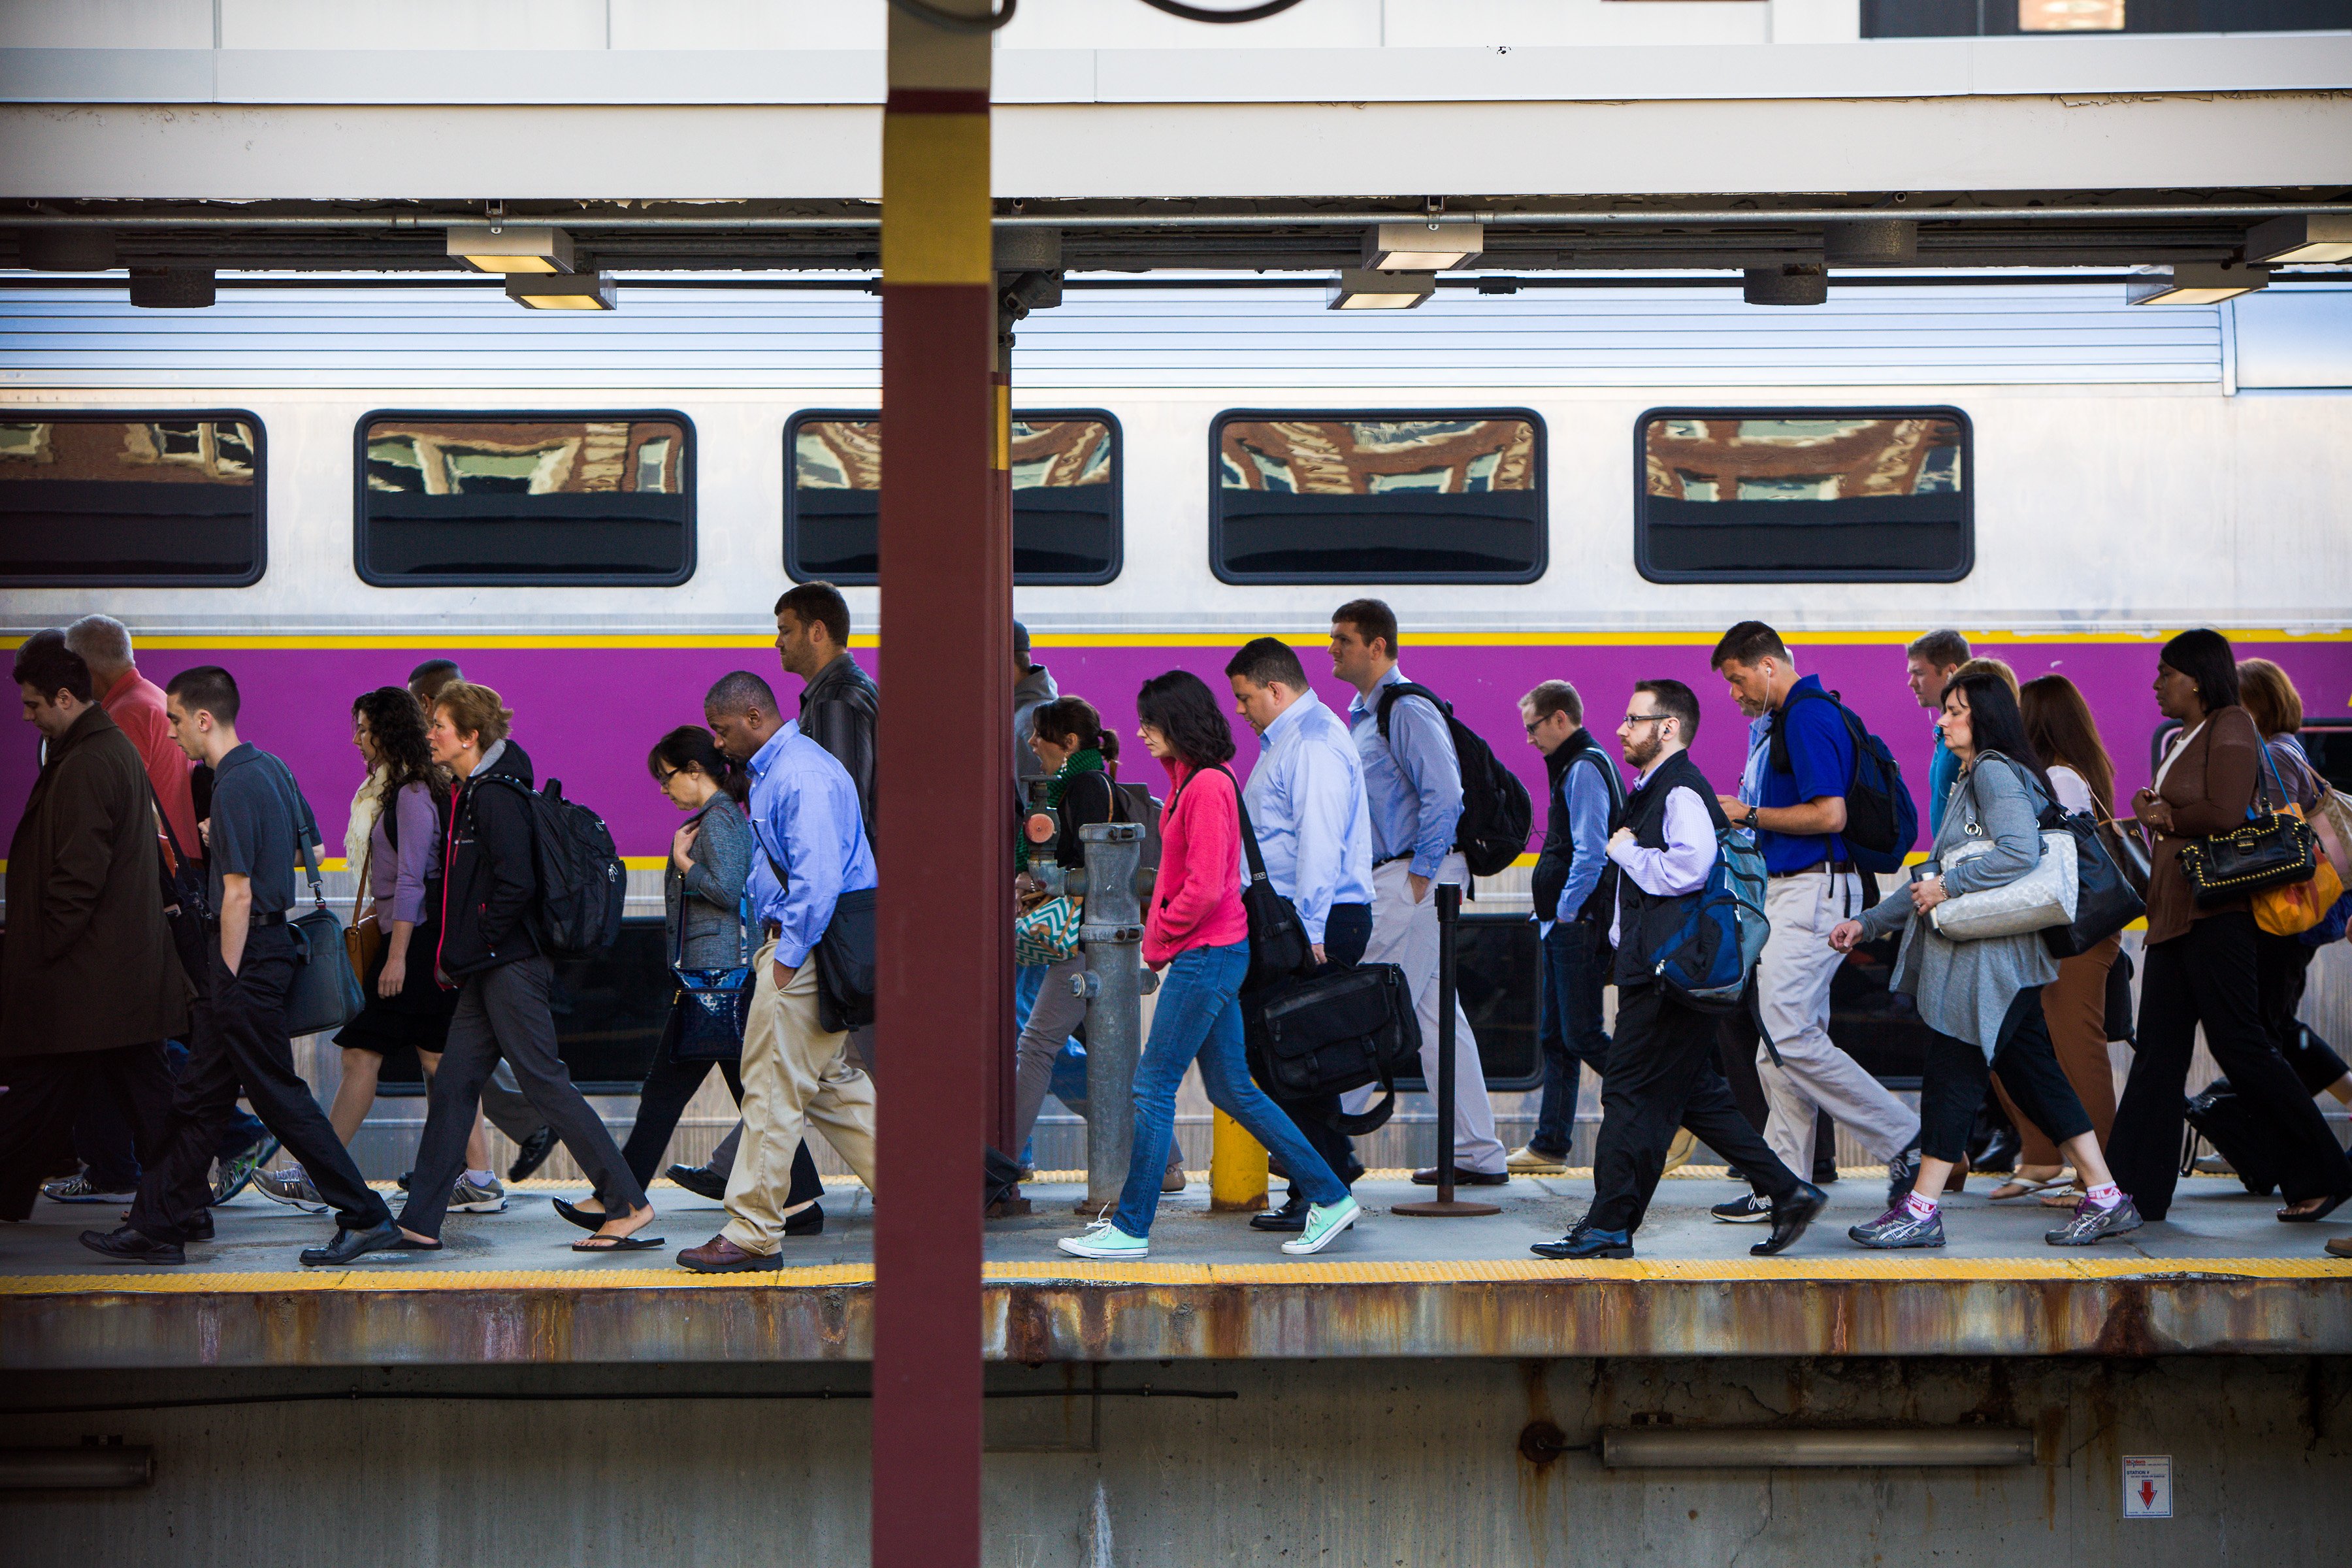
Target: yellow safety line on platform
{"x":1772,"y":1270}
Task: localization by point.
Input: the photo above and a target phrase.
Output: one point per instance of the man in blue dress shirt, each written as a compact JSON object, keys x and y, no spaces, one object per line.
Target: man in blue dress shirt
{"x":812,"y":851}
{"x":1413,"y":783}
{"x":1314,"y":829}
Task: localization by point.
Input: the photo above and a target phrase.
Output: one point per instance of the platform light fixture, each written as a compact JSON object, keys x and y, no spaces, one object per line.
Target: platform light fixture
{"x":1362,"y":289}
{"x":1793,"y":283}
{"x":562,"y":291}
{"x":512,"y":247}
{"x":2312,"y":237}
{"x":1434,"y":246}
{"x":2196,"y":283}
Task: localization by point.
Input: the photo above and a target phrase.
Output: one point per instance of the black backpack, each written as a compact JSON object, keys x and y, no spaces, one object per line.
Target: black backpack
{"x":1497,"y":815}
{"x":582,"y":882}
{"x":1882,"y":822}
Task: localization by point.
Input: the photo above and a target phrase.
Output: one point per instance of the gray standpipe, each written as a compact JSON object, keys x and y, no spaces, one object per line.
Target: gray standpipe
{"x":1114,"y":985}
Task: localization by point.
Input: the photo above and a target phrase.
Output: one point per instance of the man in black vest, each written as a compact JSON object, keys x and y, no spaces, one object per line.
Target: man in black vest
{"x":1573,"y":898}
{"x":1662,"y":1073}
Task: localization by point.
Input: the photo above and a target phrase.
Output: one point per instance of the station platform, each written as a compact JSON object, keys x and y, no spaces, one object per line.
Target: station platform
{"x":2219,"y":1277}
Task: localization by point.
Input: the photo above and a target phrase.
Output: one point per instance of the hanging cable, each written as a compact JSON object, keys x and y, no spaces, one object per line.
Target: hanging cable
{"x":954,"y":22}
{"x":1203,"y":13}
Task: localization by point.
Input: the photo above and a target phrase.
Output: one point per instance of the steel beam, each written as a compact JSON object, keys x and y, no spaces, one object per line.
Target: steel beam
{"x":945,"y":750}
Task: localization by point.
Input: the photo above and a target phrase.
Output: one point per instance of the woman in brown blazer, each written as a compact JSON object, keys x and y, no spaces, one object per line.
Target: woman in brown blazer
{"x":2201,"y":961}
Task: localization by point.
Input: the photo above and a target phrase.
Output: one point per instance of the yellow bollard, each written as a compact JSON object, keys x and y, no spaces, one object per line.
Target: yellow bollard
{"x":1237,"y":1168}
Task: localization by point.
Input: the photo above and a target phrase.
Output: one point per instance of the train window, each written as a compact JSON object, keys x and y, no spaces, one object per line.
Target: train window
{"x":1803,"y":495}
{"x":546,"y":499}
{"x":117,"y":499}
{"x":1065,"y":497}
{"x":1427,"y":496}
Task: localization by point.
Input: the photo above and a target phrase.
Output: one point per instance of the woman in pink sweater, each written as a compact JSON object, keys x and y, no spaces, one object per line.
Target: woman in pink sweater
{"x":1196,"y":936}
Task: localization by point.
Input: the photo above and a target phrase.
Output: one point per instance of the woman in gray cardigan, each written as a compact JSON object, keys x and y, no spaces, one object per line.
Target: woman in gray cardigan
{"x":702,"y":889}
{"x":1982,"y":998}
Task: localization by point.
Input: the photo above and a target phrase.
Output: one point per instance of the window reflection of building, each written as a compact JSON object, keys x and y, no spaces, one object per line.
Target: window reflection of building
{"x":192,"y":451}
{"x":1800,"y":459}
{"x":2070,"y":15}
{"x":457,"y":457}
{"x":1367,"y":456}
{"x":1047,"y":454}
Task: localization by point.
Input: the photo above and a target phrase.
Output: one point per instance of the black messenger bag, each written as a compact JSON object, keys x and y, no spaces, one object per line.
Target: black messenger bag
{"x":845,"y":964}
{"x":1330,"y":1033}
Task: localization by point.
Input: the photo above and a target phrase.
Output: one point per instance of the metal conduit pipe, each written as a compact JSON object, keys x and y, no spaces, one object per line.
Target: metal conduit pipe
{"x":1781,"y":1448}
{"x":1114,"y":985}
{"x":94,"y":1467}
{"x":590,"y":220}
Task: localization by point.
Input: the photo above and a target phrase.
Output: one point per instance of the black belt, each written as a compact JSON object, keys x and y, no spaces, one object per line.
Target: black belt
{"x":1835,"y":867}
{"x":255,"y":920}
{"x":1400,"y":855}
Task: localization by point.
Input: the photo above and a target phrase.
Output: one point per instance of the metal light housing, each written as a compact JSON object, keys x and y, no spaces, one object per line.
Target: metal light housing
{"x":2310,"y":237}
{"x":512,"y":247}
{"x":1363,"y":288}
{"x":562,"y":291}
{"x":1796,"y":283}
{"x":172,"y":288}
{"x":1433,"y":246}
{"x":2196,"y":283}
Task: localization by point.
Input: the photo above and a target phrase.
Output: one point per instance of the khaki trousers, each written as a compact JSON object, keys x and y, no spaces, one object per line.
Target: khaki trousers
{"x":2075,"y":1005}
{"x":794,"y":1073}
{"x":1792,"y":999}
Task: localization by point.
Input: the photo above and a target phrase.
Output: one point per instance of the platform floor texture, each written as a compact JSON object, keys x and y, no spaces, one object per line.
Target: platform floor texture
{"x":2213,"y":1220}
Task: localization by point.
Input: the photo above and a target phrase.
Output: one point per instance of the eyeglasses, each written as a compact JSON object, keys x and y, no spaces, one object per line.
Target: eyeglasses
{"x":1643,"y":718}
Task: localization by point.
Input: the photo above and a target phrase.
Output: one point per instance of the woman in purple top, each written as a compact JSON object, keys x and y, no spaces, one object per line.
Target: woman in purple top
{"x":405,"y":1010}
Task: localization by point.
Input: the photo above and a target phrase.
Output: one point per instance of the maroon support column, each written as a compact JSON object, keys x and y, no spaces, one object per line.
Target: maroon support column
{"x":946,"y":766}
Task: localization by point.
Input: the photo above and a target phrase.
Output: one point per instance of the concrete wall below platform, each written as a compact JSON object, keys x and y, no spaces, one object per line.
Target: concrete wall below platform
{"x":1370,"y":1463}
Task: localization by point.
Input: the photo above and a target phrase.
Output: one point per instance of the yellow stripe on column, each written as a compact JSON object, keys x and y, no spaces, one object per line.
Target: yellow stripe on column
{"x":1003,"y":451}
{"x":935,"y":197}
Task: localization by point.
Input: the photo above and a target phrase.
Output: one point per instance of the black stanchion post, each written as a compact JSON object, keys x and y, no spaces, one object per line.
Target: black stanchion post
{"x":1449,"y":914}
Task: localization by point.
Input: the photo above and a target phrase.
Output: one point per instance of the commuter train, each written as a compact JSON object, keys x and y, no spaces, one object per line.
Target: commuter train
{"x":319,"y":486}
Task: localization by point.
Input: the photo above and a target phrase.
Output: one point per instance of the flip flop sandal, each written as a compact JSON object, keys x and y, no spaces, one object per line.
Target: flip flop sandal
{"x":407,"y":1245}
{"x":2065,"y":1200}
{"x":2023,"y":1189}
{"x":618,"y":1244}
{"x":2312,"y":1216}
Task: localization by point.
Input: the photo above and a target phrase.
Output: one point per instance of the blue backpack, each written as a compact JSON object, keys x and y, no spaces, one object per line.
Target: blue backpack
{"x":1708,"y":958}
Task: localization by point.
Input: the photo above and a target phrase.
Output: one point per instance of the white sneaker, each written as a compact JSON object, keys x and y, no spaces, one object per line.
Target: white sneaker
{"x":467,"y":1198}
{"x":76,"y":1189}
{"x":290,"y":1187}
{"x":1104,"y":1240}
{"x":1323,"y":1224}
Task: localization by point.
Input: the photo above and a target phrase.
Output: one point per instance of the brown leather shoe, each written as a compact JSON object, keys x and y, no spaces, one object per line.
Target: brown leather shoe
{"x":2340,"y":1246}
{"x":720,"y":1256}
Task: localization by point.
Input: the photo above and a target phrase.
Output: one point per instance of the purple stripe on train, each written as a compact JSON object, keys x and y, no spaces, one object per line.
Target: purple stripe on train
{"x":589,"y":716}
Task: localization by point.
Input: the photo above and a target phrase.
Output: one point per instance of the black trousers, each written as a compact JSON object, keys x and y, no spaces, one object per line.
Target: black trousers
{"x":669,"y":1085}
{"x":1736,"y":1041}
{"x":239,"y":1042}
{"x":1959,"y":1074}
{"x":2209,"y":977}
{"x":2282,"y":965}
{"x":1347,"y":932}
{"x":1661,"y":1076}
{"x":45,"y":1095}
{"x":505,"y":1012}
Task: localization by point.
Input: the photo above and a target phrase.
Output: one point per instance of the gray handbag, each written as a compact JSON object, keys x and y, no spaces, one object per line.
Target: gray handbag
{"x":2043,"y":898}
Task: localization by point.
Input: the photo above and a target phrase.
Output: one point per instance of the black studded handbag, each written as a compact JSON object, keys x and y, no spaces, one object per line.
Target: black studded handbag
{"x":2272,"y":848}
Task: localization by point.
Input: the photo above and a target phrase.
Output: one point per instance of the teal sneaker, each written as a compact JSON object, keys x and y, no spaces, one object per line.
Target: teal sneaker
{"x":1104,"y":1240}
{"x":1323,"y":1224}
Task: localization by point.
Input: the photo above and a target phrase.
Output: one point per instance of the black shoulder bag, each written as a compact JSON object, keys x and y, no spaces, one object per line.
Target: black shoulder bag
{"x":844,"y":956}
{"x":1277,"y":938}
{"x":325,"y":993}
{"x":706,"y":1020}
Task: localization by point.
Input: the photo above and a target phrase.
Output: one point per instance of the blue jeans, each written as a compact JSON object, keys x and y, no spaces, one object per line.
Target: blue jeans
{"x":1574,"y":969}
{"x":1199,"y":1014}
{"x":1069,"y":1084}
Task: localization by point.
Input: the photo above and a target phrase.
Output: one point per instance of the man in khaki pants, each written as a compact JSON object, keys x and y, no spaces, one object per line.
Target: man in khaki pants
{"x":811,"y":850}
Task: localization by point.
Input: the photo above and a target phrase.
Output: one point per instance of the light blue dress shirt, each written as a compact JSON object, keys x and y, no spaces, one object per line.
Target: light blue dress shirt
{"x":804,"y":815}
{"x":1751,"y":773}
{"x":1413,"y":782}
{"x":1943,"y":772}
{"x":1306,"y":799}
{"x":1586,"y":794}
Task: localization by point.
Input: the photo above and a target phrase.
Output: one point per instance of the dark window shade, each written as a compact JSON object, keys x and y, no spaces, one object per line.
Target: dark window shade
{"x":1999,"y":18}
{"x":100,"y":500}
{"x":1067,"y":500}
{"x":1422,"y":496}
{"x":1803,"y":495}
{"x":535,"y":499}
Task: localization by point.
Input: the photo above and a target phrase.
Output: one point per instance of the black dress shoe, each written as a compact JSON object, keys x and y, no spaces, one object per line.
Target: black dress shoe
{"x":1901,"y":1175}
{"x":1582,"y":1244}
{"x":351,"y":1244}
{"x":1999,"y":1153}
{"x":133,"y":1246}
{"x":201,"y":1228}
{"x":533,"y":1155}
{"x":701,"y":1180}
{"x":1790,"y":1216}
{"x":1463,"y":1178}
{"x":1291,"y":1216}
{"x":809,"y":1221}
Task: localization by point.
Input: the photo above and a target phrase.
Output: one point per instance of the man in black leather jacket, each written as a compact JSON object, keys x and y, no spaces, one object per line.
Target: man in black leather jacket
{"x":838,"y":701}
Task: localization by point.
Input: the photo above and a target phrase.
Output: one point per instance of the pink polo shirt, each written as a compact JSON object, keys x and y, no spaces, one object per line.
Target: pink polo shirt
{"x":136,"y":705}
